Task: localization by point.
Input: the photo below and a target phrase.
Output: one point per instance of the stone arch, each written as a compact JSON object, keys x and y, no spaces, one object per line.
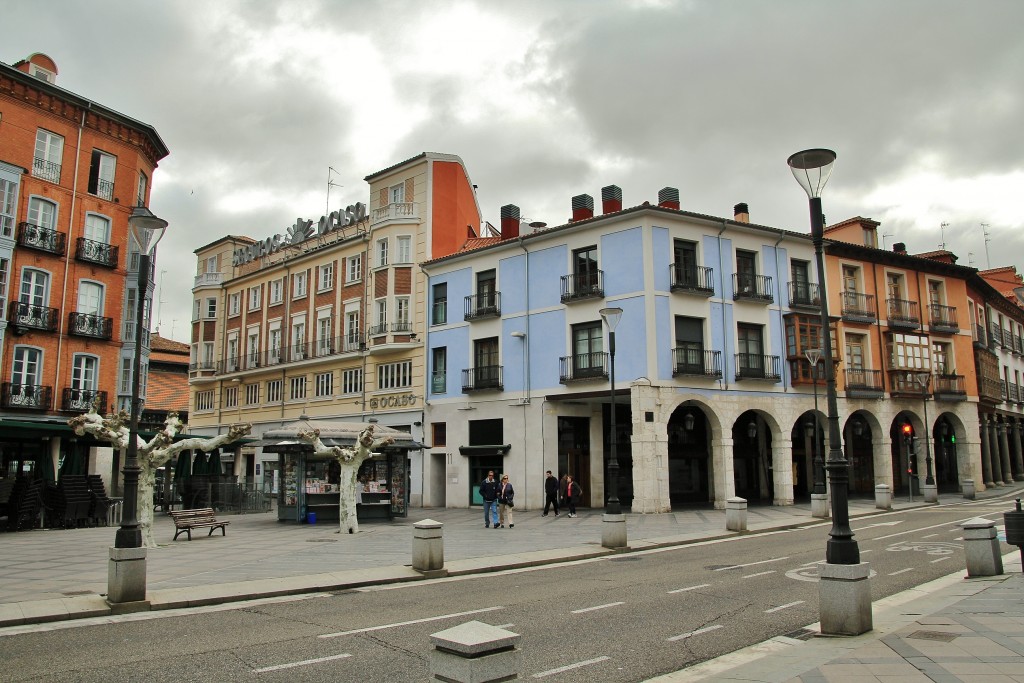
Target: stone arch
{"x":808,"y":440}
{"x":690,"y":431}
{"x":754,"y":434}
{"x":860,"y":433}
{"x":947,"y":432}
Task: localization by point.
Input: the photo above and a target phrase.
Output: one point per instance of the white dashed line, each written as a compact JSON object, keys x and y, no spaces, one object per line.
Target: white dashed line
{"x":782,"y":607}
{"x":930,"y":536}
{"x":902,"y":571}
{"x":408,"y":623}
{"x":591,"y":609}
{"x":941,"y":559}
{"x":750,"y":576}
{"x":304,"y":662}
{"x":570,"y":667}
{"x":691,"y":588}
{"x":690,"y":634}
{"x":751,"y":564}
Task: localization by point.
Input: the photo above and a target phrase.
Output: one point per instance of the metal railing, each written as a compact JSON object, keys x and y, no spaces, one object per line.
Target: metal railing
{"x":903,"y":313}
{"x":756,"y":366}
{"x":943,"y":318}
{"x":401,"y":327}
{"x":377,"y":330}
{"x":30,"y":396}
{"x":804,"y":294}
{"x":33,"y":317}
{"x":980,"y":337}
{"x":44,"y":239}
{"x":47,"y":170}
{"x":995,"y":334}
{"x":321,"y":348}
{"x":210,"y":490}
{"x":483,"y":377}
{"x":96,"y":252}
{"x":104,"y":189}
{"x":695,"y":361}
{"x":949,"y":384}
{"x":865,"y":380}
{"x":751,"y":287}
{"x":583,"y":366}
{"x":904,"y":382}
{"x":81,"y":400}
{"x":696,"y":279}
{"x":586,"y":285}
{"x":858,"y":307}
{"x":482,"y":306}
{"x":88,"y":325}
{"x":394,"y":210}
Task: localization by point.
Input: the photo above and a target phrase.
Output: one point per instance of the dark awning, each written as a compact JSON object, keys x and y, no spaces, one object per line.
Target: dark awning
{"x":493,"y":451}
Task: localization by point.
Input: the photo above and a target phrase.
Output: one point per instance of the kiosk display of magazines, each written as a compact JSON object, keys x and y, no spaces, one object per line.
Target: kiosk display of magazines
{"x":310,"y":485}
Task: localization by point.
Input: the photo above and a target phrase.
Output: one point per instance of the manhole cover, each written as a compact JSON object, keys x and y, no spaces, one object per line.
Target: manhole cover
{"x":800,"y":634}
{"x":321,"y":540}
{"x":624,"y":559}
{"x":934,"y":635}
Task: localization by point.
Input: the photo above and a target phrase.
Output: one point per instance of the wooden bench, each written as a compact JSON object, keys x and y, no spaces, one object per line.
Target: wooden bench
{"x":187,"y":520}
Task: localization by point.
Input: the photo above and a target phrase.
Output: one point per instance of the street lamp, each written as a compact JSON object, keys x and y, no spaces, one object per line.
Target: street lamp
{"x":814,"y":357}
{"x":613,"y":534}
{"x":923,"y":379}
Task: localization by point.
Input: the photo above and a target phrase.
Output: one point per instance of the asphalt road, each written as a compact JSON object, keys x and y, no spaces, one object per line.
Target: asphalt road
{"x":624,"y":618}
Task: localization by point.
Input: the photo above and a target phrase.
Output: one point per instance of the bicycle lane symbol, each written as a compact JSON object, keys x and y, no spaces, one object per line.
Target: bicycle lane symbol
{"x":809,"y":571}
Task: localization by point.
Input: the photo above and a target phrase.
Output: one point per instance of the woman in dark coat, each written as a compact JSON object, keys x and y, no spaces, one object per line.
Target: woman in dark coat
{"x":505,"y":495}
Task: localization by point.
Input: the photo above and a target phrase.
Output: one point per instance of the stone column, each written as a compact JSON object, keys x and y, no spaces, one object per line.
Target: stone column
{"x":782,"y":472}
{"x":650,"y":453}
{"x":881,"y":461}
{"x":986,"y":454}
{"x":1018,"y":456}
{"x":993,"y":447}
{"x":725,"y":482}
{"x":1004,"y":454}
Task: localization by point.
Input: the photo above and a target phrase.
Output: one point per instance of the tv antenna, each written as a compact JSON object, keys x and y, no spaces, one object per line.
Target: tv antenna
{"x":942,"y":231}
{"x":970,"y":259}
{"x":984,"y":230}
{"x":884,"y":235}
{"x":330,"y":184}
{"x":160,"y":301}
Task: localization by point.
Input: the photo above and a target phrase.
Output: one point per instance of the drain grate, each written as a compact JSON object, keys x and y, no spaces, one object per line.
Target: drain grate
{"x":800,"y":634}
{"x":934,"y":635}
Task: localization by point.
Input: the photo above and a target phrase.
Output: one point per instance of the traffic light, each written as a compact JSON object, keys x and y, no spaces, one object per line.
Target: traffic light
{"x":908,"y":431}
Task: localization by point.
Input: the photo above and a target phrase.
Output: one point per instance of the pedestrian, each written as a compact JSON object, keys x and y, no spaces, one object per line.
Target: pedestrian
{"x":489,"y":492}
{"x":550,"y":493}
{"x":572,"y":494}
{"x":505,"y":504}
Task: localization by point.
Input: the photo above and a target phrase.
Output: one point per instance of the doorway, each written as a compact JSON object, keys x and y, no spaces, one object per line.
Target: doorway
{"x":574,"y":453}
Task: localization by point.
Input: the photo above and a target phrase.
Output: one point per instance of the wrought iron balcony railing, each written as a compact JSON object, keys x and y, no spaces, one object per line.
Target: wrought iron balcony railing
{"x":695,"y":361}
{"x":377,"y":330}
{"x":401,"y":327}
{"x":755,"y":366}
{"x":88,"y":325}
{"x":104,"y":189}
{"x":577,"y":286}
{"x":946,"y":386}
{"x":80,"y":400}
{"x":860,"y":379}
{"x":804,"y":295}
{"x":96,"y":252}
{"x":995,"y":335}
{"x":942,"y":318}
{"x":44,"y":239}
{"x":482,"y":306}
{"x":748,"y":287}
{"x":583,"y":366}
{"x":47,"y":170}
{"x":28,"y":396}
{"x":692,"y":279}
{"x":857,"y":307}
{"x":483,"y":377}
{"x":903,"y":313}
{"x":980,"y":337}
{"x":33,"y":317}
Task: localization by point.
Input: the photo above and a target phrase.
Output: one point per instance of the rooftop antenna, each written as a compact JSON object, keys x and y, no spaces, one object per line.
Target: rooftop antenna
{"x":330,"y":184}
{"x":160,"y":301}
{"x":970,"y":259}
{"x":942,"y":230}
{"x":988,"y":261}
{"x":173,"y":321}
{"x":884,"y":235}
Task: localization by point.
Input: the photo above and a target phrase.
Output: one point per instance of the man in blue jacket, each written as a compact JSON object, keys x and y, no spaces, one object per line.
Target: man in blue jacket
{"x":489,"y":492}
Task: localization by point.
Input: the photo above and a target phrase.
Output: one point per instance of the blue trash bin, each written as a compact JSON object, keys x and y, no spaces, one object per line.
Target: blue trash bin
{"x":311,"y":517}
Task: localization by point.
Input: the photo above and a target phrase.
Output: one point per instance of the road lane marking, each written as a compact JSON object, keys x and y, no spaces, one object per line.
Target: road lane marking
{"x":591,"y":609}
{"x":865,"y":552}
{"x":782,"y":607}
{"x":902,"y":571}
{"x":691,"y":588}
{"x":750,"y":564}
{"x":750,"y":576}
{"x":304,"y":662}
{"x":690,"y":634}
{"x":408,"y":623}
{"x":941,"y":559}
{"x":930,"y":536}
{"x":925,"y":528}
{"x":872,"y":526}
{"x":570,"y":667}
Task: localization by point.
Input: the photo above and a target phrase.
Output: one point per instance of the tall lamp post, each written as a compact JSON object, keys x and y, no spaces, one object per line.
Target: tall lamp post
{"x":127,"y":578}
{"x":839,"y":615}
{"x":931,"y":493}
{"x":613,"y":527}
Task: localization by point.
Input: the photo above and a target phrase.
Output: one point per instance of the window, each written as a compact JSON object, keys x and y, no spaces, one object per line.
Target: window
{"x":402,"y":323}
{"x":204,"y":400}
{"x":235,"y":303}
{"x":126,"y":375}
{"x":942,"y":359}
{"x":27,"y":367}
{"x":935,"y":293}
{"x":211,"y":307}
{"x":276,"y":291}
{"x":486,"y":290}
{"x":801,"y":282}
{"x":97,"y":228}
{"x":587,"y":350}
{"x":252,"y":394}
{"x":233,"y":352}
{"x":439,"y":310}
{"x":870,"y":238}
{"x":746,"y":271}
{"x":352,"y":336}
{"x":48,"y":153}
{"x":803,"y":332}
{"x":231,"y":397}
{"x":274,"y":391}
{"x":487,"y":372}
{"x":381,"y":307}
{"x":324,"y":384}
{"x":5,"y":267}
{"x":84,"y":373}
{"x":396,"y":193}
{"x":894,"y":285}
{"x":35,"y":292}
{"x":275,"y":344}
{"x":394,"y":375}
{"x":382,"y":252}
{"x":8,"y":195}
{"x":43,"y":74}
{"x":855,"y":352}
{"x":751,"y":349}
{"x":404,"y":248}
{"x":326,"y":277}
{"x":253,"y":349}
{"x":689,"y":351}
{"x":909,"y":352}
{"x":438,"y":434}
{"x":101,"y":175}
{"x":254,"y":298}
{"x":299,"y":284}
{"x":324,"y":336}
{"x":354,"y":268}
{"x":42,"y":213}
{"x":140,"y":195}
{"x":584,"y":269}
{"x":352,"y":381}
{"x":298,"y":388}
{"x":439,"y":370}
{"x":207,"y":355}
{"x":90,"y":298}
{"x":211,"y":264}
{"x":298,"y":339}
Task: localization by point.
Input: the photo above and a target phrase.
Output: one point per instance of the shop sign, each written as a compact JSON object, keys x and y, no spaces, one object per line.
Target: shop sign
{"x":396,"y":401}
{"x":300,"y":232}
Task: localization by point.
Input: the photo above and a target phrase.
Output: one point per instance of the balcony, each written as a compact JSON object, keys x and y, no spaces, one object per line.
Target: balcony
{"x":857,"y":307}
{"x":439,"y":382}
{"x":990,"y":389}
{"x":903,"y":314}
{"x":754,"y":366}
{"x":696,"y":362}
{"x":748,"y":287}
{"x":47,"y":170}
{"x":208,"y":280}
{"x":481,"y":378}
{"x":29,"y":317}
{"x":995,"y":335}
{"x":478,"y":306}
{"x":804,"y":295}
{"x":394,"y":211}
{"x":99,"y":253}
{"x":942,"y":319}
{"x":80,"y":400}
{"x":208,"y":365}
{"x":861,"y":383}
{"x":980,"y":340}
{"x":698,"y":280}
{"x":88,"y":325}
{"x":583,"y":366}
{"x":321,"y":348}
{"x":104,"y":189}
{"x":1018,"y":345}
{"x":904,"y":384}
{"x":42,"y":239}
{"x":950,"y":387}
{"x":401,"y":327}
{"x":579,"y":286}
{"x":377,"y":330}
{"x":27,"y":396}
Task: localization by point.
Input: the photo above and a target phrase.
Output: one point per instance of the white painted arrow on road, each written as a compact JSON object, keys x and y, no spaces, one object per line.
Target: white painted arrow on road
{"x":871,"y":526}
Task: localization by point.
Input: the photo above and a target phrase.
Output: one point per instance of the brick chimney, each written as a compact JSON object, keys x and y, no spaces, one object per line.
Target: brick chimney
{"x":900,"y":248}
{"x":509,"y":221}
{"x":611,"y":199}
{"x":582,"y":207}
{"x":740,"y":212}
{"x":668,"y":197}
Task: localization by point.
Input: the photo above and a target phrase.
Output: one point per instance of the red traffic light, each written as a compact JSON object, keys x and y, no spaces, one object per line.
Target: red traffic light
{"x":907,"y":430}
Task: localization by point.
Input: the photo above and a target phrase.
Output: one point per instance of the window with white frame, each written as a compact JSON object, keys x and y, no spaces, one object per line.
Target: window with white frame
{"x":381,"y":308}
{"x":394,"y":375}
{"x":275,"y":343}
{"x":396,"y":193}
{"x":8,"y":195}
{"x":97,"y":228}
{"x":252,"y":347}
{"x":211,"y":307}
{"x":324,"y":336}
{"x":85,"y":376}
{"x":382,"y":252}
{"x":352,"y":336}
{"x":211,"y":263}
{"x":140,"y":194}
{"x":298,"y":339}
{"x":402,"y":323}
{"x":324,"y":384}
{"x":403,"y":248}
{"x":325,"y":279}
{"x":352,"y":381}
{"x":204,"y":400}
{"x":101,"y":174}
{"x":207,"y":355}
{"x":48,"y":153}
{"x":298,"y":388}
{"x":230,"y":397}
{"x":232,"y":352}
{"x":235,"y":304}
{"x":126,"y":373}
{"x":254,"y":298}
{"x":299,"y":285}
{"x":252,"y":394}
{"x":354,"y":268}
{"x":42,"y":213}
{"x":274,"y":391}
{"x":5,"y":267}
{"x":276,"y":291}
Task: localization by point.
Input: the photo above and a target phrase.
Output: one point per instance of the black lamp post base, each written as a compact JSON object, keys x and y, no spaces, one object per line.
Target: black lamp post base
{"x":128,"y":537}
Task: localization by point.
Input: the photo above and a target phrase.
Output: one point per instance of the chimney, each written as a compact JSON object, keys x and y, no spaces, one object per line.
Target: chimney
{"x":900,"y":248}
{"x":582,"y":207}
{"x":740,"y":212}
{"x":668,"y":197}
{"x":509,"y":221}
{"x":611,"y":199}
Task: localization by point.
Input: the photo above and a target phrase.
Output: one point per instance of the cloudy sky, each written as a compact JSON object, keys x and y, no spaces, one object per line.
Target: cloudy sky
{"x":921,"y":100}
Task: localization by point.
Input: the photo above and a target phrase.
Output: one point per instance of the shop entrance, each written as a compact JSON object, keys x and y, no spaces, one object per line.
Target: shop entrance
{"x":752,"y":447}
{"x":689,"y":457}
{"x":574,"y":454}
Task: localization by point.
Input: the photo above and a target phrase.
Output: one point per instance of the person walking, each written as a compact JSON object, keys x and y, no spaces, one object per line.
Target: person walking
{"x":550,"y":493}
{"x":505,"y":495}
{"x":489,"y":492}
{"x":572,"y":494}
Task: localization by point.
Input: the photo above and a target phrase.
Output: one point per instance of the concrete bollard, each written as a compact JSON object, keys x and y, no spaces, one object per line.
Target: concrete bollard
{"x":819,"y":505}
{"x":736,"y":514}
{"x":982,"y":548}
{"x":475,"y":652}
{"x":883,"y":497}
{"x":428,"y":548}
{"x":930,"y":492}
{"x":967,"y":486}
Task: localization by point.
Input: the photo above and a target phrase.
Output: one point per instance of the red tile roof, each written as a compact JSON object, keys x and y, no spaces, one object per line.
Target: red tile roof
{"x":167,"y":391}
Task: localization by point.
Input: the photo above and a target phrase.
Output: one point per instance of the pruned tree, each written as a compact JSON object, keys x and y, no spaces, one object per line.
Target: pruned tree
{"x":152,"y":454}
{"x":350,"y":459}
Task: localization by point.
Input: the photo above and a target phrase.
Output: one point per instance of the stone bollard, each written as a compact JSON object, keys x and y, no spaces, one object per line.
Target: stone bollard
{"x":930,"y":492}
{"x":883,"y":497}
{"x":982,"y":548}
{"x":844,"y":599}
{"x":736,"y":514}
{"x":819,"y":505}
{"x":475,"y":652}
{"x":967,"y":486}
{"x":428,"y":548}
